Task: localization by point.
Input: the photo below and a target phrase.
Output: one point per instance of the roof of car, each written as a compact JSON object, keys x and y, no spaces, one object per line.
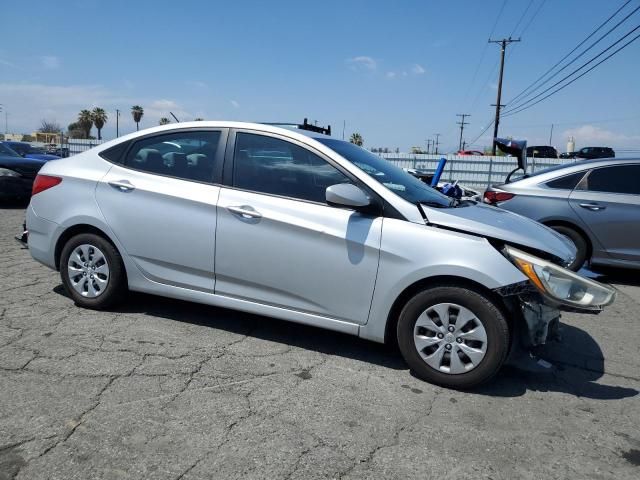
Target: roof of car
{"x":289,"y":131}
{"x":559,"y":170}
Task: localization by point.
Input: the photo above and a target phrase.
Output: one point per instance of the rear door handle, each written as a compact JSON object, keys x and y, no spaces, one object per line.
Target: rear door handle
{"x":595,"y":207}
{"x":245,"y":211}
{"x":122,"y":185}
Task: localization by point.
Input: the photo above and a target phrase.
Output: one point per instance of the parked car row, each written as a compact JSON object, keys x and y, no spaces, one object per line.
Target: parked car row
{"x":590,"y":153}
{"x":311,"y":229}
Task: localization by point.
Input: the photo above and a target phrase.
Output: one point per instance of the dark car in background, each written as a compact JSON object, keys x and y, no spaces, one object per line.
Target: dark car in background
{"x":27,"y":150}
{"x":17,"y":173}
{"x":593,"y":203}
{"x":591,"y":153}
{"x":542,"y":151}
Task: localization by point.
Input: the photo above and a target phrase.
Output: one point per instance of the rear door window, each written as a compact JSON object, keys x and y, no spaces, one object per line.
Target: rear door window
{"x":615,"y":179}
{"x":189,"y":155}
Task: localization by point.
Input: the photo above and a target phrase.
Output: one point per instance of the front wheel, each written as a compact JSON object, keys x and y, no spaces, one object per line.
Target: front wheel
{"x":453,"y":336}
{"x":92,"y":272}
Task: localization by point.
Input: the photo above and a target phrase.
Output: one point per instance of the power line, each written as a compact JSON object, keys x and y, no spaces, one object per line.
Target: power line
{"x":462,"y":123}
{"x":484,"y":51}
{"x":521,"y":18}
{"x":535,"y":14}
{"x":570,"y":53}
{"x":524,"y":100}
{"x":511,"y":112}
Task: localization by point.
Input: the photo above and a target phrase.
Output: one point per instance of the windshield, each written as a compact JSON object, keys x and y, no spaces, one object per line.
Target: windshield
{"x":4,"y":150}
{"x":395,"y":179}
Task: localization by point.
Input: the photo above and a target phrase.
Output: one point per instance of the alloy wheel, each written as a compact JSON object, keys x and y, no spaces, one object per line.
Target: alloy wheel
{"x":450,"y":338}
{"x":88,"y":270}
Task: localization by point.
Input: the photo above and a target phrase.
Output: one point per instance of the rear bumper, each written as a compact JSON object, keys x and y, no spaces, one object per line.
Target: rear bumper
{"x":41,"y":238}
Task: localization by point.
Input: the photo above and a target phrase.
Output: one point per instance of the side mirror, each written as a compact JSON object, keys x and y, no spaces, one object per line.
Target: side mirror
{"x":347,"y":195}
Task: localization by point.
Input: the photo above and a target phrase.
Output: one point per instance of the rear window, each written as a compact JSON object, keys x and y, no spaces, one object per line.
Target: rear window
{"x":115,"y":154}
{"x":568,"y":182}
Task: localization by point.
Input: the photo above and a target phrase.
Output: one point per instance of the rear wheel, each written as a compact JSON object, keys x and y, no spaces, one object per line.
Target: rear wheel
{"x":453,"y":336}
{"x":582,"y":248}
{"x":92,"y":271}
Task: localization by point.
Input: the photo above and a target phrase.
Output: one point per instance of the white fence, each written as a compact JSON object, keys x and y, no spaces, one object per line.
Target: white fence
{"x":78,"y":145}
{"x":473,"y":171}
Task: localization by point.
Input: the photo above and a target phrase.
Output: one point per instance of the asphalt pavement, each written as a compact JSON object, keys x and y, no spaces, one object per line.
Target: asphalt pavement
{"x":164,"y":389}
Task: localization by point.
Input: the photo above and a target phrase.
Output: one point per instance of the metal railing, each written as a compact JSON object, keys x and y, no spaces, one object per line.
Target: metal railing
{"x":473,"y":171}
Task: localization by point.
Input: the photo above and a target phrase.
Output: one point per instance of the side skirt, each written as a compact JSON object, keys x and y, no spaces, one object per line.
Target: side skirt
{"x":247,"y":306}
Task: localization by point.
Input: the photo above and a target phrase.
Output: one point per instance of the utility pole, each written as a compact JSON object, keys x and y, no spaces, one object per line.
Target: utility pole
{"x":428,"y":145}
{"x":551,"y":135}
{"x":117,"y":123}
{"x":503,"y":43}
{"x":462,"y":124}
{"x":437,"y":142}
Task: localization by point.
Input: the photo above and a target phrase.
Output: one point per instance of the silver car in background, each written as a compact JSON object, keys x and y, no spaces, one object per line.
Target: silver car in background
{"x":594,"y":203}
{"x":309,"y":229}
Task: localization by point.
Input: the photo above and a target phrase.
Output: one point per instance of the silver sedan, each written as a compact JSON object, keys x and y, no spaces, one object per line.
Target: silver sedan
{"x":310,"y":229}
{"x":595,"y":204}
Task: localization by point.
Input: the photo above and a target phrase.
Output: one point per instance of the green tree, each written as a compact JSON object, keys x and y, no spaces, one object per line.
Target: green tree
{"x":357,"y":139}
{"x":85,"y":122}
{"x":164,"y":121}
{"x":137,"y":112}
{"x":99,"y":117}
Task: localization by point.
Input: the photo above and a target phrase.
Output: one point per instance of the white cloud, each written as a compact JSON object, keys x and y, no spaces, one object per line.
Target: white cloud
{"x":418,"y":69}
{"x":234,"y":103}
{"x":30,"y":103}
{"x":391,"y":75}
{"x":590,"y":135}
{"x":362,"y":62}
{"x":50,"y":62}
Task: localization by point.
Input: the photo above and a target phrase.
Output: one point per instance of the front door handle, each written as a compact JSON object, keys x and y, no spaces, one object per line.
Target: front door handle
{"x":245,"y":211}
{"x":594,"y":207}
{"x":122,"y":185}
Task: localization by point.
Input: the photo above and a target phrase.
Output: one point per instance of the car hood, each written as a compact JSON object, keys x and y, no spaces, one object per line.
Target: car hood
{"x":503,"y":225}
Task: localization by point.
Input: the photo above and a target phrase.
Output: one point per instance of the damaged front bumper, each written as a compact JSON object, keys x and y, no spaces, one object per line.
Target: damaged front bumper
{"x":536,"y":321}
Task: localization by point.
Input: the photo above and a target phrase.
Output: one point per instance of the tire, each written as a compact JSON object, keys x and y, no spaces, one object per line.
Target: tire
{"x":85,"y":277}
{"x":476,"y":313}
{"x":582,"y":248}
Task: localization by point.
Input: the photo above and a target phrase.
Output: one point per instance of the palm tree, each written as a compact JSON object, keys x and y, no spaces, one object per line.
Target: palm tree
{"x":137,"y":112}
{"x":357,"y":139}
{"x":164,"y":121}
{"x":85,"y":122}
{"x":99,"y":117}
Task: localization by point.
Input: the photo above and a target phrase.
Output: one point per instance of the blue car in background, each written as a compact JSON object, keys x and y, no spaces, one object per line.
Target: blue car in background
{"x":27,"y":150}
{"x":17,"y":173}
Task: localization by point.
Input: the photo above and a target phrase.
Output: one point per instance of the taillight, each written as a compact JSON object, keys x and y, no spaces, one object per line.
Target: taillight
{"x":494,"y":197}
{"x":44,"y":182}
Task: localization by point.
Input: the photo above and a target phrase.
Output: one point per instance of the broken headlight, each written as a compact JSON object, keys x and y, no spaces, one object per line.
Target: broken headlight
{"x":560,"y":284}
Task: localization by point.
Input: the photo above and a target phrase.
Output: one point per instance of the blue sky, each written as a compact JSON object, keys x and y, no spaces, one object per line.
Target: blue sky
{"x":397,"y":72}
